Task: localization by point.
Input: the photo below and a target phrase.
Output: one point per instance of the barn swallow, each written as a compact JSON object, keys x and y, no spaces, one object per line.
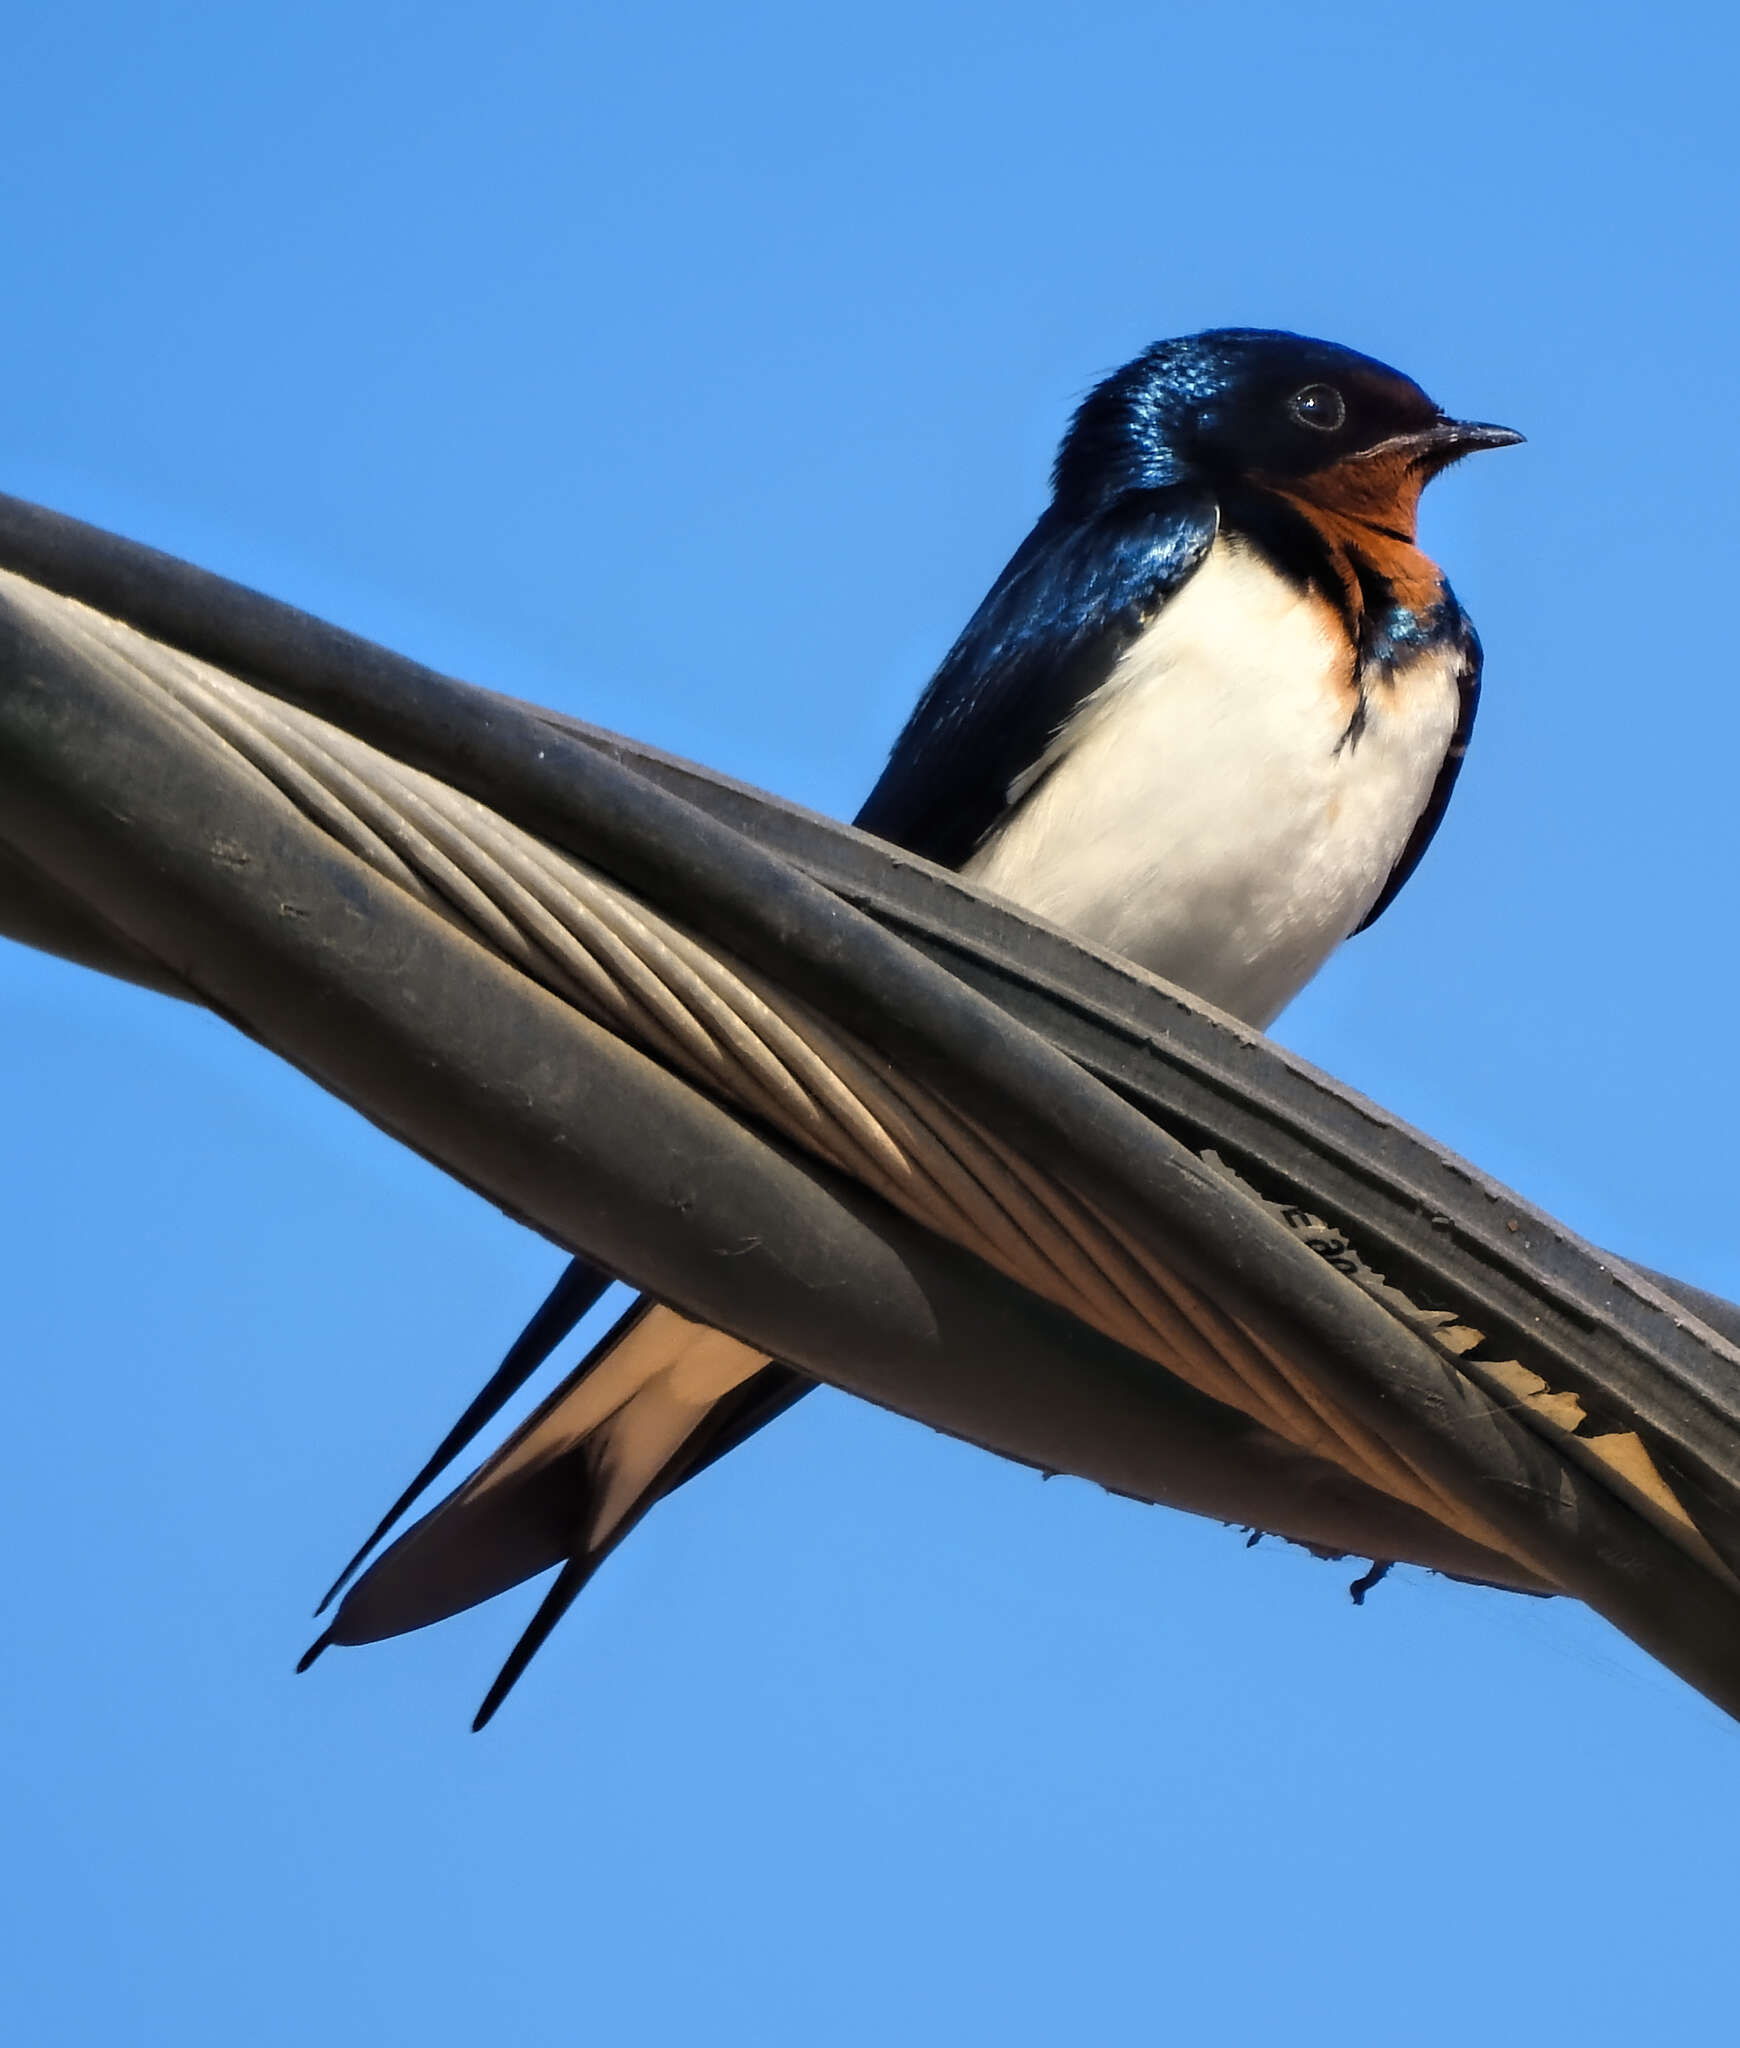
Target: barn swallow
{"x":1208,"y":717}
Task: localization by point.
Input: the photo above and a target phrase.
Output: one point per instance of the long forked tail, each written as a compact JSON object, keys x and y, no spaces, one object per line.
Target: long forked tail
{"x":658,"y":1399}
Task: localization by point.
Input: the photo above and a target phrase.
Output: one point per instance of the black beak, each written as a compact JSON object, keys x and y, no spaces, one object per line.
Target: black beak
{"x":1464,"y":436}
{"x":1449,"y":440}
{"x":1446,"y":441}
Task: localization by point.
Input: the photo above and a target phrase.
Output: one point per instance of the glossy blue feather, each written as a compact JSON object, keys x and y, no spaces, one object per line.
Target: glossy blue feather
{"x":1188,"y":441}
{"x":1076,"y":594}
{"x":1158,"y":457}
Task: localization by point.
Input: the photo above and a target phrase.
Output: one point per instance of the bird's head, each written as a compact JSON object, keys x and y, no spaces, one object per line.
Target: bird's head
{"x":1248,"y":406}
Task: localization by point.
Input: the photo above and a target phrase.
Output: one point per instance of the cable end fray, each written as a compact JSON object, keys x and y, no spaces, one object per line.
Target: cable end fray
{"x":1380,"y":1570}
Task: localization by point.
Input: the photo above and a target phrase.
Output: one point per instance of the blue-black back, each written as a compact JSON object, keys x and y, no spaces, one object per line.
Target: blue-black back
{"x":1075,"y":596}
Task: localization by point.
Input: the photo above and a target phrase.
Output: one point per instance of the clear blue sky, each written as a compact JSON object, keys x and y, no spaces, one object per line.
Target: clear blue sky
{"x":695,"y":369}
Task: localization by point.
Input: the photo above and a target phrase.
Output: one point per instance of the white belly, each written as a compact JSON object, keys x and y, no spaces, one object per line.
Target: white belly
{"x":1205,"y":814}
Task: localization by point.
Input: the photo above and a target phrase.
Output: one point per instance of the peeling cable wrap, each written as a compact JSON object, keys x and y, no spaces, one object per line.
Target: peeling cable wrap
{"x":766,"y":1053}
{"x":847,"y":1110}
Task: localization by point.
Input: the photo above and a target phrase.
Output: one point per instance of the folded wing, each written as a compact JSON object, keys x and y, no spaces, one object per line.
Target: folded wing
{"x":661,"y":1397}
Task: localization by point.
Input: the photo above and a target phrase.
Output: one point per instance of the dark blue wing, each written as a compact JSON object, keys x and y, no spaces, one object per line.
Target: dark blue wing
{"x":1077,"y":593}
{"x":1079,"y":590}
{"x":1468,"y":691}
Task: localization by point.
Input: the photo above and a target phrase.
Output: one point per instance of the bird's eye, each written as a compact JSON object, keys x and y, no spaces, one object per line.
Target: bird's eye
{"x":1320,"y":406}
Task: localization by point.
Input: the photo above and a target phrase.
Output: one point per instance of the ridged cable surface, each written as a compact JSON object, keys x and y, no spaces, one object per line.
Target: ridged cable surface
{"x":766,"y":1053}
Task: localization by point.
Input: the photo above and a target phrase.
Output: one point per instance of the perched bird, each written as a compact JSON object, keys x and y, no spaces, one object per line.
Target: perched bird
{"x":1208,"y":717}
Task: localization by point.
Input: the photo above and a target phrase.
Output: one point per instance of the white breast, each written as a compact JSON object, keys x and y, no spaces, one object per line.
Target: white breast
{"x":1207,"y":812}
